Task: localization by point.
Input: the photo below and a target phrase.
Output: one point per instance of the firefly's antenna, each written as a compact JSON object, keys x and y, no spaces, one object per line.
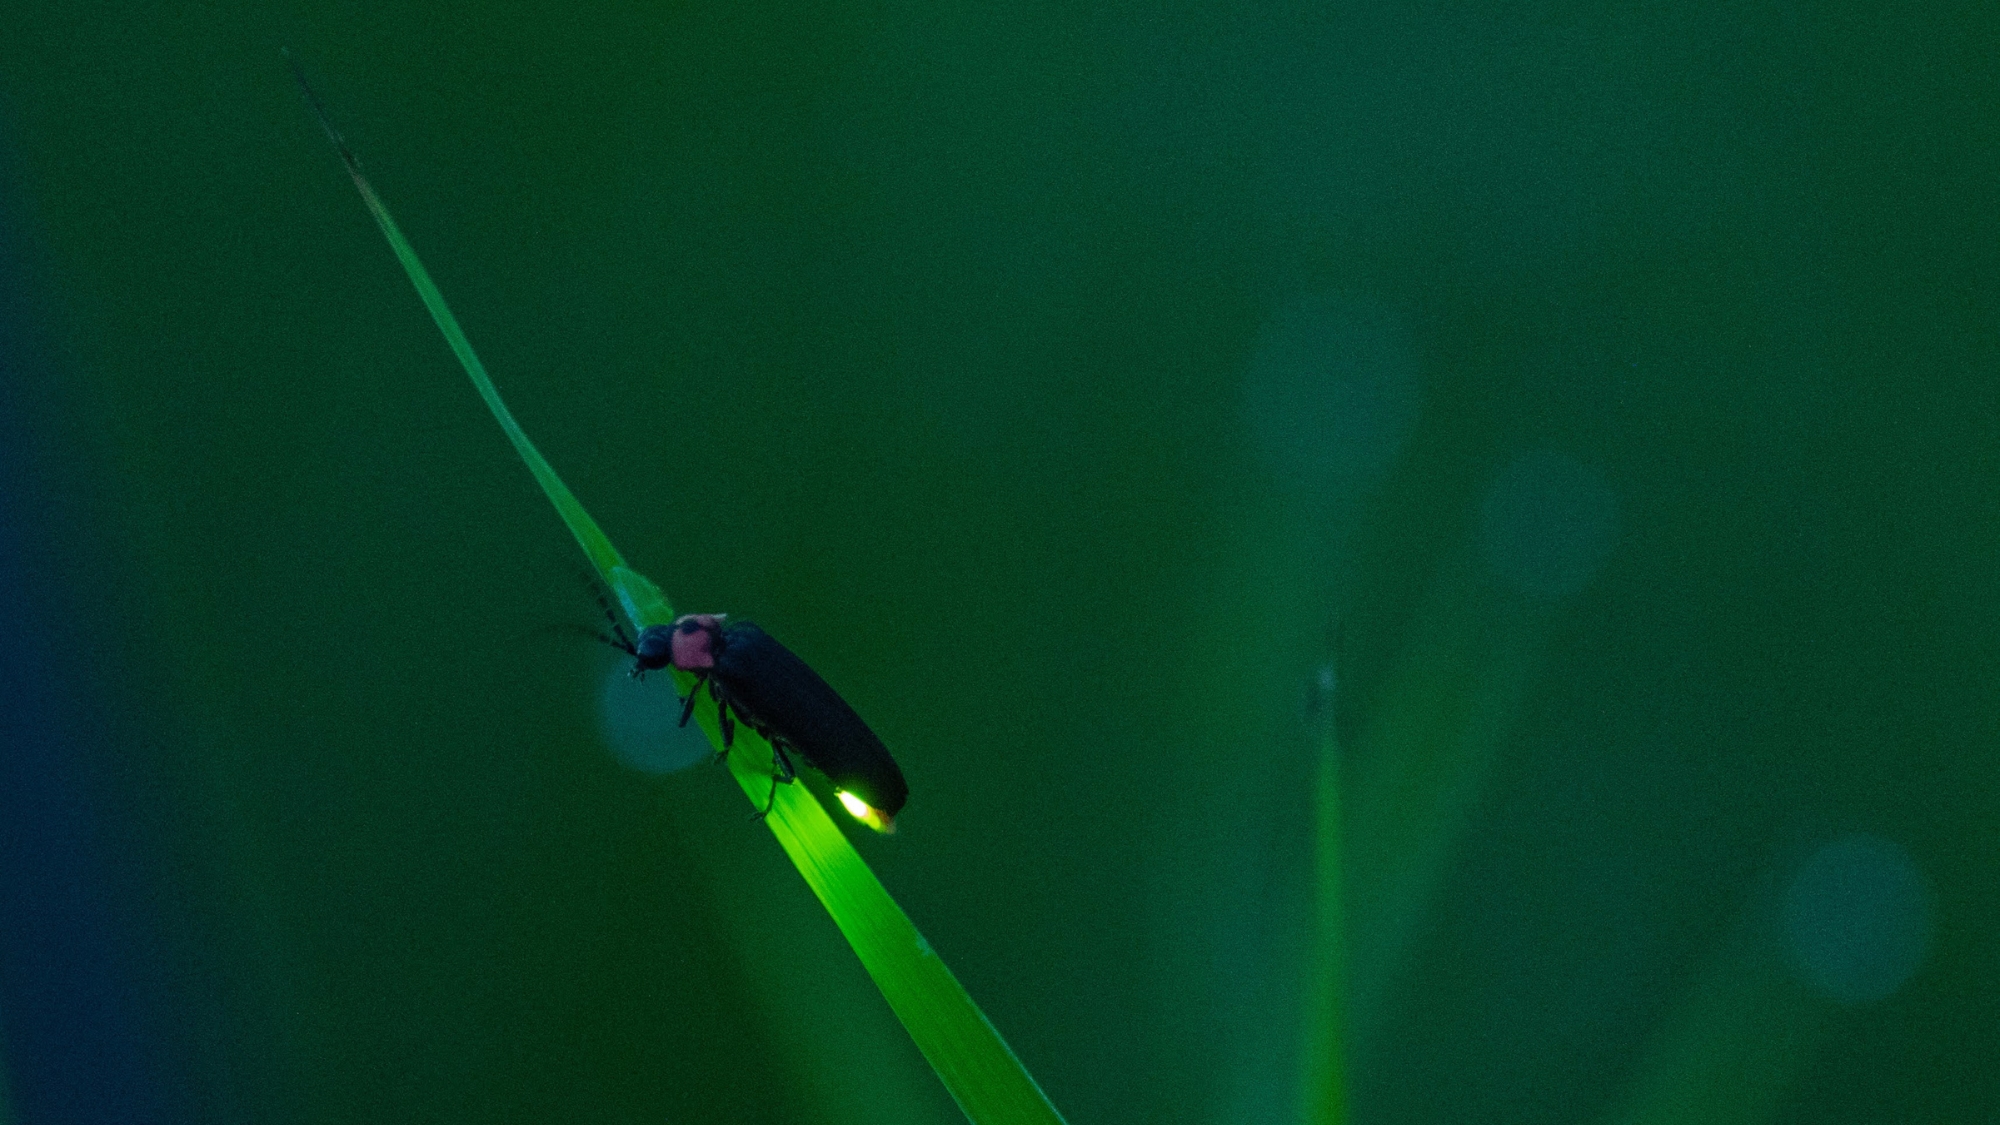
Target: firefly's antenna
{"x":618,"y":638}
{"x":347,"y":156}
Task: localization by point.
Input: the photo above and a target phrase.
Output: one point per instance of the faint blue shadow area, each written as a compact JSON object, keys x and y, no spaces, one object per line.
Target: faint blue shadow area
{"x":1330,"y":393}
{"x":77,"y":1016}
{"x":641,"y":722}
{"x":1857,"y":919}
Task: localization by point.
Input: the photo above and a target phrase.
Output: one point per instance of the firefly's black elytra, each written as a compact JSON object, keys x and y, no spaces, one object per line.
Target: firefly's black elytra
{"x":779,"y":696}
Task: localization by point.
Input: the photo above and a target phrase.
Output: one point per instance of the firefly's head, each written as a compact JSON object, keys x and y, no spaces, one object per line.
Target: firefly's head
{"x":697,"y":641}
{"x":654,"y":648}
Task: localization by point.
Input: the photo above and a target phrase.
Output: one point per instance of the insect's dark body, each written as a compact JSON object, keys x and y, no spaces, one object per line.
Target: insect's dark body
{"x":782,"y":698}
{"x":761,"y":682}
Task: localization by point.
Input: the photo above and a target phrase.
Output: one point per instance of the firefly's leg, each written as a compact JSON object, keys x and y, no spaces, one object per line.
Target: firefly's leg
{"x":687,"y":705}
{"x":722,"y":718}
{"x":781,"y":771}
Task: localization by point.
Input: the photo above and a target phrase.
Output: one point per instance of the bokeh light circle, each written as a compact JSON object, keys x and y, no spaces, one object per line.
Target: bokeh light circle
{"x":1857,"y":919}
{"x":1548,"y":524}
{"x":641,"y":721}
{"x":1330,"y":392}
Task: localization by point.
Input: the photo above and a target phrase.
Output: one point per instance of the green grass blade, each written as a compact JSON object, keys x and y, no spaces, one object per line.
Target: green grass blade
{"x":589,"y":536}
{"x":969,"y":1056}
{"x":1325,"y":1098}
{"x":592,"y":539}
{"x":965,"y":1050}
{"x":643,"y":602}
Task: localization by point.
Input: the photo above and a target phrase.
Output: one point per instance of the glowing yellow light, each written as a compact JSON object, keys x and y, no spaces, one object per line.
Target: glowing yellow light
{"x":859,"y":809}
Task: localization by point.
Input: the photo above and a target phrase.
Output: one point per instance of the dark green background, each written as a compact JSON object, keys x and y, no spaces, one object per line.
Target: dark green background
{"x":919,"y":334}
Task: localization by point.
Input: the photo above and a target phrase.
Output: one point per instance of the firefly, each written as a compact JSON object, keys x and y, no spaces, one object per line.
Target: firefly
{"x":758,"y":681}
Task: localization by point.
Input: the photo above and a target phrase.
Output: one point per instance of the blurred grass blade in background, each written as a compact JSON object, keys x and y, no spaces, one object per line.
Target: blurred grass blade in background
{"x":1325,"y":1070}
{"x":975,"y":1064}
